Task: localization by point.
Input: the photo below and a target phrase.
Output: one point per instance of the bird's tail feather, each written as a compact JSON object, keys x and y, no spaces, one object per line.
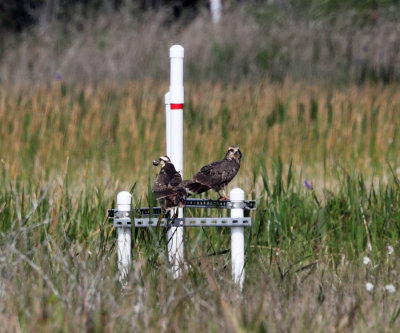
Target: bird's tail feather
{"x":194,"y":187}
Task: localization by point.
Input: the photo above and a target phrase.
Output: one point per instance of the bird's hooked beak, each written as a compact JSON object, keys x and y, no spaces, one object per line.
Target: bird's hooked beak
{"x":163,"y":160}
{"x":238,"y":154}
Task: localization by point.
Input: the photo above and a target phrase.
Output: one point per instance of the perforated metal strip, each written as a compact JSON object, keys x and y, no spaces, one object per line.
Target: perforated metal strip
{"x":227,"y":204}
{"x":192,"y":203}
{"x":146,"y":222}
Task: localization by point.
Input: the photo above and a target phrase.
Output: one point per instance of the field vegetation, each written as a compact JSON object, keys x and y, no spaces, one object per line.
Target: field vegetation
{"x":322,"y":164}
{"x":339,"y":42}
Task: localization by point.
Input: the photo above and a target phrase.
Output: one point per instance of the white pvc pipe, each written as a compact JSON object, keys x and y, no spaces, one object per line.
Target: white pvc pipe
{"x":175,"y":150}
{"x":176,"y":54}
{"x":176,"y":96}
{"x":175,"y":250}
{"x":172,"y":238}
{"x":124,"y":236}
{"x":237,"y":239}
{"x":168,"y":124}
{"x":216,"y":8}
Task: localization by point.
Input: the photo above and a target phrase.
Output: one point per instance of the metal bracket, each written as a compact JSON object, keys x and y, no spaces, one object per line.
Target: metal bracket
{"x":193,"y":222}
{"x":148,"y":211}
{"x":121,"y":219}
{"x":193,"y":203}
{"x":224,"y":204}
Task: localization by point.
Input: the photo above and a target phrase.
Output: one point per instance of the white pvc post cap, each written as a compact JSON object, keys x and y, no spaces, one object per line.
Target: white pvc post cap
{"x":236,"y":194}
{"x":124,"y":199}
{"x":176,"y":51}
{"x":167,"y":99}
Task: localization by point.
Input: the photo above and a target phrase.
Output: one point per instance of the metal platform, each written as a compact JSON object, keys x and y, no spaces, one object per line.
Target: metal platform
{"x":121,"y":219}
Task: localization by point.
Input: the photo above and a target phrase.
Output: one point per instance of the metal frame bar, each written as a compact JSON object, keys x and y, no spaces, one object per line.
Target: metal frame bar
{"x":190,"y":203}
{"x":147,"y":222}
{"x":123,"y":217}
{"x":222,"y":204}
{"x":123,"y":220}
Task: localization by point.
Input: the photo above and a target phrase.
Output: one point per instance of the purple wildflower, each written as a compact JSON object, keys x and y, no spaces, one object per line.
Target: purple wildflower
{"x":365,"y":47}
{"x":308,"y":184}
{"x":58,"y":76}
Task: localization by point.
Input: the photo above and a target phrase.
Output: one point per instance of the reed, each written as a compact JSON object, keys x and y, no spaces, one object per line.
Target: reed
{"x":96,"y":132}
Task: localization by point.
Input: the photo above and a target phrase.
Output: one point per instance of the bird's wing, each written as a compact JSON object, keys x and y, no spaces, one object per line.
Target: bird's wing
{"x":207,"y":169}
{"x":160,"y":187}
{"x":166,"y":184}
{"x":172,"y":177}
{"x":217,"y":173}
{"x":176,"y":180}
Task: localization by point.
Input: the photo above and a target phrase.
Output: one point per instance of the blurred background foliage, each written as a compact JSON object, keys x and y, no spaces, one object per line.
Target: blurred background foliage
{"x":90,"y":40}
{"x":19,"y":15}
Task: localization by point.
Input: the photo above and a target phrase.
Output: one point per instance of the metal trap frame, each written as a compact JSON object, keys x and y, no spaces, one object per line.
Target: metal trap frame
{"x":152,"y":217}
{"x":148,"y":217}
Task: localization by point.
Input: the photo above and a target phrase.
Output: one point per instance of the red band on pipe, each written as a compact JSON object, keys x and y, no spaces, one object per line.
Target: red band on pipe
{"x":176,"y":106}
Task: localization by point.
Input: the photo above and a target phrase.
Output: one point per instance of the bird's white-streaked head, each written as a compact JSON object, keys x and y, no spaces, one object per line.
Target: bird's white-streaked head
{"x":162,"y":160}
{"x":233,"y":153}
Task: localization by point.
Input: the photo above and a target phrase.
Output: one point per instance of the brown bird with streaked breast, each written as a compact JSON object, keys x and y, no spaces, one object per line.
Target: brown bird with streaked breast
{"x":216,"y":175}
{"x":167,"y":187}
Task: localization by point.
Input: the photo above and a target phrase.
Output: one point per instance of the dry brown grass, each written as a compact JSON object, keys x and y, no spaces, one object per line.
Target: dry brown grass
{"x":315,"y":298}
{"x":109,"y":133}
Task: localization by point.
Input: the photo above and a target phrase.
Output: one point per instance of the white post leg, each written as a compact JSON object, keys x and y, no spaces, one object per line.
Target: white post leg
{"x":175,"y":249}
{"x":174,"y":233}
{"x":237,"y":240}
{"x":124,"y":237}
{"x":176,"y":95}
{"x":168,"y":124}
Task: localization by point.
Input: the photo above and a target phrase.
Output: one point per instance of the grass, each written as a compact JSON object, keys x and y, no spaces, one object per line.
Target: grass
{"x":66,"y":150}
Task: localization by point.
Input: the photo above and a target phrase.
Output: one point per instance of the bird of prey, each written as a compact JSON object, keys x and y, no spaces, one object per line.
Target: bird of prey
{"x":167,"y":187}
{"x":216,"y":175}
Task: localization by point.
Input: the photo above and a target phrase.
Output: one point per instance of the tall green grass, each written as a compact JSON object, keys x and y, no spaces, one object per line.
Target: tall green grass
{"x":108,"y":133}
{"x":67,"y":150}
